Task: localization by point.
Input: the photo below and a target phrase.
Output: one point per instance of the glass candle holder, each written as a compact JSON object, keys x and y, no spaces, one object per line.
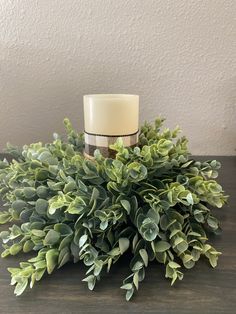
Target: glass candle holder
{"x":107,"y":117}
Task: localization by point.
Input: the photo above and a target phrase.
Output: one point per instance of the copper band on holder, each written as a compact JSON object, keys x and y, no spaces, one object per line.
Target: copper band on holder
{"x":102,"y":142}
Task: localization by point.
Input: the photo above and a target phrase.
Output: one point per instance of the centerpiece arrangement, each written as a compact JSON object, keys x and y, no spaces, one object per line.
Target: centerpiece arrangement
{"x":74,"y":200}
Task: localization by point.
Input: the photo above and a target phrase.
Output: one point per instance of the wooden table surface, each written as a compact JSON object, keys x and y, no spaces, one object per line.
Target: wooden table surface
{"x":203,"y":289}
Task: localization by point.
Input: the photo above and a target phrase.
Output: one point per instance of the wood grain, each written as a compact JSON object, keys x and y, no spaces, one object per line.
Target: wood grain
{"x":203,"y":289}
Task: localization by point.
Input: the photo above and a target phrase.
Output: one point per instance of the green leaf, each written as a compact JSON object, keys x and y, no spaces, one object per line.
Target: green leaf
{"x":64,"y":257}
{"x":19,"y":205}
{"x":42,"y":191}
{"x":28,"y":246}
{"x":213,"y":260}
{"x":38,"y":233}
{"x":180,"y":245}
{"x":41,"y":206}
{"x":127,"y":286}
{"x":15,"y":231}
{"x":52,"y":237}
{"x":91,"y":280}
{"x":212,"y":222}
{"x":141,"y":274}
{"x":29,"y":192}
{"x":70,"y":186}
{"x":126,"y":205}
{"x":137,"y":266}
{"x":26,"y":214}
{"x":173,"y":265}
{"x":41,"y":175}
{"x":188,"y":261}
{"x":65,"y":242}
{"x":95,"y":194}
{"x":149,"y":229}
{"x":40,"y":265}
{"x":82,"y":186}
{"x":51,"y":260}
{"x":123,"y":244}
{"x":198,"y":216}
{"x":5,"y":253}
{"x":83,"y":240}
{"x":63,"y":229}
{"x":144,"y":256}
{"x":98,"y":267}
{"x":162,"y":246}
{"x":114,"y":252}
{"x":129,"y":294}
{"x":103,"y":225}
{"x":4,"y":217}
{"x":136,"y":280}
{"x":21,"y":286}
{"x":135,"y":241}
{"x":54,"y":206}
{"x":189,"y":199}
{"x":39,"y":274}
{"x":174,"y":277}
{"x":14,"y":271}
{"x":4,"y":235}
{"x":15,"y":248}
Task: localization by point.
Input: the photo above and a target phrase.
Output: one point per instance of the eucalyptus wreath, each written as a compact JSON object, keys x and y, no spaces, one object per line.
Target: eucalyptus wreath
{"x":153,"y":201}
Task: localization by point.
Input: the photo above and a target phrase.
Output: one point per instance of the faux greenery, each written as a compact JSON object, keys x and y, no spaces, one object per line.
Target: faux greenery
{"x":153,"y":200}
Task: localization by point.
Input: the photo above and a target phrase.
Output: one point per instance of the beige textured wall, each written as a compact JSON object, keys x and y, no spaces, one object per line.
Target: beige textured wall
{"x":178,"y":55}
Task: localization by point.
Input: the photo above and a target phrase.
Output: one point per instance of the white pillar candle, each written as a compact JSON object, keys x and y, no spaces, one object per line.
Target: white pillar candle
{"x":107,"y":117}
